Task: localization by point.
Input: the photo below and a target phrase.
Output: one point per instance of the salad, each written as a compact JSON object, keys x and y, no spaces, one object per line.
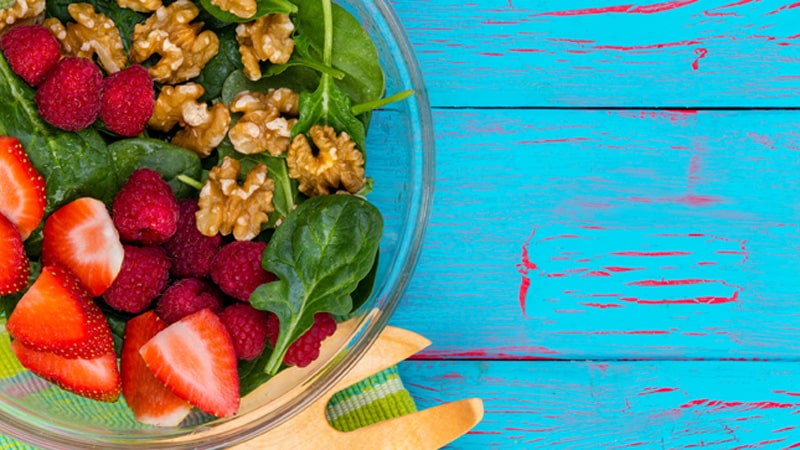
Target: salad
{"x":187,"y":188}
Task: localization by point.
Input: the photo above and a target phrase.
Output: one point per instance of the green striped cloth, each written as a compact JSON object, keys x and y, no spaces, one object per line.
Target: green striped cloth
{"x":374,"y":399}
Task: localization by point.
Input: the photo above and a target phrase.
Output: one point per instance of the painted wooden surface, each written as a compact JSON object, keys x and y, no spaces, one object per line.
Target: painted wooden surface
{"x":604,"y":266}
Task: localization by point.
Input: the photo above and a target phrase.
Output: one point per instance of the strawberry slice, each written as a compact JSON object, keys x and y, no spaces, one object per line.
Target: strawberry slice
{"x":14,"y":265}
{"x":94,"y":378}
{"x":57,"y":315}
{"x":81,"y":237}
{"x":149,"y":399}
{"x":22,"y":188}
{"x":195,"y":358}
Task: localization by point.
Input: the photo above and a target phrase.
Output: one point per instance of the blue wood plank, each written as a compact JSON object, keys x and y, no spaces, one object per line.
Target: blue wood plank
{"x":611,"y":234}
{"x":618,"y":405}
{"x":606,"y":52}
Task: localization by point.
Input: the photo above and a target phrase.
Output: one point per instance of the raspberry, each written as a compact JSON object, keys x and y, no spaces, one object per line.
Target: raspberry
{"x":188,"y":296}
{"x":305,"y":349}
{"x":69,"y":96}
{"x":248,"y":329}
{"x":143,"y":276}
{"x":237,"y":269}
{"x":127,"y":101}
{"x":31,"y":50}
{"x":145,"y":209}
{"x":190,"y":250}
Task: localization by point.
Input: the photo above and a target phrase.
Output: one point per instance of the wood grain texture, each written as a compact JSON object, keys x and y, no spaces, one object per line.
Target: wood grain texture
{"x":618,"y":405}
{"x":611,"y":234}
{"x":709,"y":53}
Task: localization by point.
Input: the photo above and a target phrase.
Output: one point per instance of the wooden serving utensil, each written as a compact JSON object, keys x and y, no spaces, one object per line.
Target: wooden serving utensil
{"x":428,"y":429}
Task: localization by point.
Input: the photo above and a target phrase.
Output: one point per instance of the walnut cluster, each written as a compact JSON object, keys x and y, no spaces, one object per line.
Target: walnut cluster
{"x":264,"y":125}
{"x":202,"y":128}
{"x":267,"y":38}
{"x":336,"y":164}
{"x":183,"y":47}
{"x":21,"y":11}
{"x":226,"y":207}
{"x":92,"y":34}
{"x":239,"y":8}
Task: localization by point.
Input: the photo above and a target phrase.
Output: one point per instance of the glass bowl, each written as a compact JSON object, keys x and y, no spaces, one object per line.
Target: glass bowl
{"x":401,"y":161}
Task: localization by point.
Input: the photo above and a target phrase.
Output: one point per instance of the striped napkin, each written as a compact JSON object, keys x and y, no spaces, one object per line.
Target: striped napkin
{"x":374,"y":399}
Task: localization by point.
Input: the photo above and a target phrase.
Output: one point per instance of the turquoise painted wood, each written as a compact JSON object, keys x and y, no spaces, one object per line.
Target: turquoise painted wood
{"x":618,"y":405}
{"x":612,"y":256}
{"x":591,"y":53}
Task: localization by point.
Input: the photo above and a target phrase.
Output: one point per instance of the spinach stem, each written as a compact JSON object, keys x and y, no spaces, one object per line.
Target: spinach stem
{"x":189,"y":181}
{"x":335,"y":73}
{"x":327,"y":14}
{"x":361,"y":108}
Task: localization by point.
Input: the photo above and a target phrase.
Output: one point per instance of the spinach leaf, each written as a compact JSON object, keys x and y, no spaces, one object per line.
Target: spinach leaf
{"x":353,"y":51}
{"x":73,"y":164}
{"x":328,"y":105}
{"x":251,"y":375}
{"x":125,"y":19}
{"x":365,"y":286}
{"x":296,"y":78}
{"x":226,"y":61}
{"x":168,"y":160}
{"x":320,"y":254}
{"x":264,"y":7}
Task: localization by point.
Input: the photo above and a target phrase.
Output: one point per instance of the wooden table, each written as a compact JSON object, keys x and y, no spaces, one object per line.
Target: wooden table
{"x":613,"y":258}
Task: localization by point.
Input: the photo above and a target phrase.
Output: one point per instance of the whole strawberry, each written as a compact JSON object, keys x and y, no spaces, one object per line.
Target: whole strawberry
{"x":31,"y":50}
{"x":69,"y":96}
{"x":127,"y":100}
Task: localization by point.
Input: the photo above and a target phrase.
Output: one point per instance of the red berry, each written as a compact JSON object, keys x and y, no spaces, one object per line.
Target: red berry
{"x":195,"y":359}
{"x":31,"y":51}
{"x":145,"y":209}
{"x":127,"y":100}
{"x":14,"y":264}
{"x":188,"y":296}
{"x":144,"y":275}
{"x":248,"y":329}
{"x":22,"y":188}
{"x":237,"y":269}
{"x":69,"y":96}
{"x":305,"y":349}
{"x":190,"y":250}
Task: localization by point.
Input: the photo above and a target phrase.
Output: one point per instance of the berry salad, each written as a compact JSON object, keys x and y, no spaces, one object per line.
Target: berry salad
{"x":184,"y":200}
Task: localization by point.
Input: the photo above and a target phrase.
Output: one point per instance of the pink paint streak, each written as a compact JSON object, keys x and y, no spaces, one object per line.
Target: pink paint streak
{"x":701,"y":53}
{"x":647,"y":47}
{"x":602,"y":305}
{"x":663,"y":282}
{"x":525,"y":266}
{"x":651,"y":254}
{"x":649,"y":391}
{"x":625,"y":9}
{"x":704,"y":300}
{"x":623,"y":269}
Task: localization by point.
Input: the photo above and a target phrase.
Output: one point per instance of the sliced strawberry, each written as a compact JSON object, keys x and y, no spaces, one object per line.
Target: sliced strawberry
{"x":149,"y":399}
{"x":195,"y":358}
{"x":14,"y":265}
{"x":95,"y":378}
{"x":22,"y":188}
{"x":57,"y":315}
{"x":81,"y":237}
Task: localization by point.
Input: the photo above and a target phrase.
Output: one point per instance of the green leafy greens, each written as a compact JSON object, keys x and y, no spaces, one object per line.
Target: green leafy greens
{"x":320,"y":254}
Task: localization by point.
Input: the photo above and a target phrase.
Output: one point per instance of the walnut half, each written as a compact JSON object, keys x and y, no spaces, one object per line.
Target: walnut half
{"x":91,"y":34}
{"x":239,"y":8}
{"x":21,"y":12}
{"x":203,"y":128}
{"x":183,"y":47}
{"x":267,"y":38}
{"x":262,"y":126}
{"x":226,"y":207}
{"x":337,"y":162}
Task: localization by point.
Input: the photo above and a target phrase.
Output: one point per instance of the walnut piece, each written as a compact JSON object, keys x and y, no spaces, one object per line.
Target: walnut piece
{"x":267,"y":38}
{"x":338,"y":163}
{"x":262,"y":127}
{"x":21,"y":12}
{"x":203,"y":128}
{"x":226,"y":207}
{"x":239,"y":8}
{"x":183,"y":47}
{"x":91,"y":34}
{"x":140,"y":5}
